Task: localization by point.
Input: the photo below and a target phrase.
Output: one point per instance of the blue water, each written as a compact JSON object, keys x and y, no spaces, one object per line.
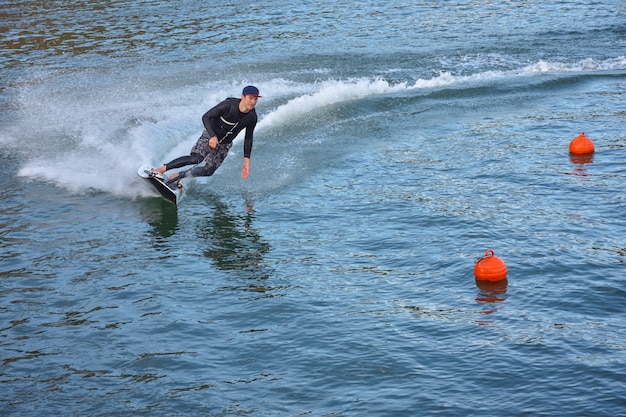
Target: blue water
{"x":396,"y":144}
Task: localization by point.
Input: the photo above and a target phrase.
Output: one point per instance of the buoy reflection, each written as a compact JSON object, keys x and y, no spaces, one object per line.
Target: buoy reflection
{"x":491,"y":291}
{"x":579,"y":162}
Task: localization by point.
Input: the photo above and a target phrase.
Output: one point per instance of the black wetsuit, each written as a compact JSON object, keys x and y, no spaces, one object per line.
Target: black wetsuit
{"x":224,"y":121}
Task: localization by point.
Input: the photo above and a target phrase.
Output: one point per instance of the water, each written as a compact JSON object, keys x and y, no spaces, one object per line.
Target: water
{"x":396,"y":144}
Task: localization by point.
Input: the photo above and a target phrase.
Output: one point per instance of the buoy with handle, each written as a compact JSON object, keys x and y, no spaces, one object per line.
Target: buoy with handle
{"x":581,"y":145}
{"x":490,"y":268}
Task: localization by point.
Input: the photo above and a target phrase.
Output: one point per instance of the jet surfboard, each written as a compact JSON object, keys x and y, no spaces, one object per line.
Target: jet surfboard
{"x":171,"y":193}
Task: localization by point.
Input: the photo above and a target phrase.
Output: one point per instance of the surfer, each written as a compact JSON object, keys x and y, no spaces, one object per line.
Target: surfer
{"x":222,"y":123}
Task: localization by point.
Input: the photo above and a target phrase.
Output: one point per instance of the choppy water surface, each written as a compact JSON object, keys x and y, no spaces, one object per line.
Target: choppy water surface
{"x":396,"y":144}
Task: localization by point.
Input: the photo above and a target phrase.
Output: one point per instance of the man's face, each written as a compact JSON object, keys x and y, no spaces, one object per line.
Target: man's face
{"x":248,"y":102}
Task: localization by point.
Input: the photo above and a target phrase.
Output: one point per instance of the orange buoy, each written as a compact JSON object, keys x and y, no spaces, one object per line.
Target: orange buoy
{"x":581,"y":145}
{"x":490,"y":268}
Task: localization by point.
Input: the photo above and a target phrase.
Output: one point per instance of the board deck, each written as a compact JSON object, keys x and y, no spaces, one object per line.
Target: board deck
{"x":172,"y":195}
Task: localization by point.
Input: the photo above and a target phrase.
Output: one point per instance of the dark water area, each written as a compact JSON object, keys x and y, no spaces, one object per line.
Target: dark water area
{"x":395,"y":145}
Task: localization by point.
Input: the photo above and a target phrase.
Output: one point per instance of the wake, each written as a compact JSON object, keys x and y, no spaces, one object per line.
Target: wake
{"x":94,"y":141}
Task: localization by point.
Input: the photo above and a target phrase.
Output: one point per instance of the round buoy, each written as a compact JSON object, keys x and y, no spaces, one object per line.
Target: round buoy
{"x":490,"y":268}
{"x":581,"y":145}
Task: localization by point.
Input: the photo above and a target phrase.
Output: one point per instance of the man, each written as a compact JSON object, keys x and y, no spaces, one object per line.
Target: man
{"x":221,"y":125}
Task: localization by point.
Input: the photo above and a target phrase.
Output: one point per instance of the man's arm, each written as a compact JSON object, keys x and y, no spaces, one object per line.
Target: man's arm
{"x":245,"y":170}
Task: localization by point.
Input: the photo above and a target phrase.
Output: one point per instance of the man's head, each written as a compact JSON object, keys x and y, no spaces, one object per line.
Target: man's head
{"x":249,"y":97}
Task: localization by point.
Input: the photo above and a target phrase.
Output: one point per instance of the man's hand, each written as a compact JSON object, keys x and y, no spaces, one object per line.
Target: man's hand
{"x":213,"y":142}
{"x":245,"y":170}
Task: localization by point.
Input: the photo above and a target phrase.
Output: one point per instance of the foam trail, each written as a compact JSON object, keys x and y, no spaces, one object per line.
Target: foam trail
{"x":315,"y":96}
{"x":538,"y":68}
{"x":328,"y":93}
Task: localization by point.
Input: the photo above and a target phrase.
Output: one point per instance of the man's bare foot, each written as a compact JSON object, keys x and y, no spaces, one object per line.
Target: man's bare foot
{"x":159,"y":172}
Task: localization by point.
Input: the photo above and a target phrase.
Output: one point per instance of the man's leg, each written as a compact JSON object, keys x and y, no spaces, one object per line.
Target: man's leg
{"x":192,"y":159}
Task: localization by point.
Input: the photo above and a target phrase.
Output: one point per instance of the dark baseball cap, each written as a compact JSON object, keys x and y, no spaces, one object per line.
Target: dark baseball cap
{"x":251,"y":91}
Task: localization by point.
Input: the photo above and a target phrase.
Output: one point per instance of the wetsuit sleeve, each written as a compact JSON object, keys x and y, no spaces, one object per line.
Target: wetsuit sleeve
{"x":247,"y":142}
{"x":215,"y":112}
{"x":249,"y":138}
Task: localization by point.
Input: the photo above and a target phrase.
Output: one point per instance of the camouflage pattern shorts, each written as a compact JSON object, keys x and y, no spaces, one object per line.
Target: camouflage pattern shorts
{"x":213,"y":158}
